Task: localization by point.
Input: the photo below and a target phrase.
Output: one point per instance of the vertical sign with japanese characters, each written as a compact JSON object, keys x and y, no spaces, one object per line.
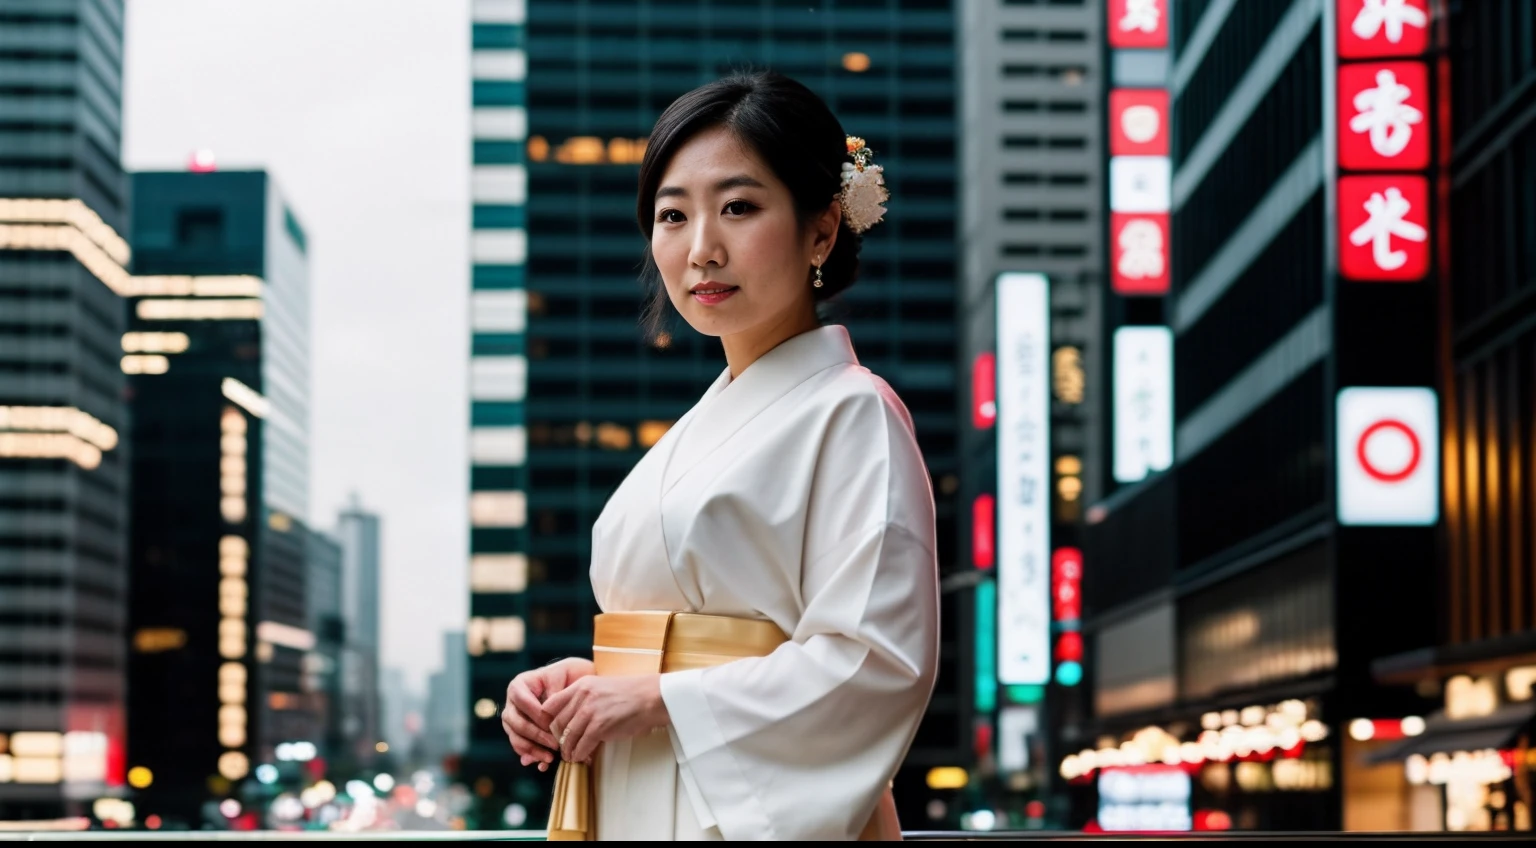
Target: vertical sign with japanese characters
{"x":1137,"y":24}
{"x":1140,"y":178}
{"x":1023,"y":479}
{"x":1383,"y":139}
{"x":1143,"y":406}
{"x":1139,"y":188}
{"x":1387,"y":436}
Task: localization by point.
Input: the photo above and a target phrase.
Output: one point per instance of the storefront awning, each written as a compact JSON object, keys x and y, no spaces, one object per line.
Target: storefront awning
{"x":1444,"y":735}
{"x":1432,"y":664}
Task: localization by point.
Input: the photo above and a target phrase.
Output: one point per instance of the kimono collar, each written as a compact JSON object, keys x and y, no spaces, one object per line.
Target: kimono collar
{"x":798,"y":357}
{"x":715,"y":418}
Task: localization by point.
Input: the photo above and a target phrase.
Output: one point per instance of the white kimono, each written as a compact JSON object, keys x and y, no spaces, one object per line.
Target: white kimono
{"x":796,"y":493}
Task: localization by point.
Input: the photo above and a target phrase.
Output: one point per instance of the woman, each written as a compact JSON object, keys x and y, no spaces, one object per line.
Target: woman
{"x":788,"y":517}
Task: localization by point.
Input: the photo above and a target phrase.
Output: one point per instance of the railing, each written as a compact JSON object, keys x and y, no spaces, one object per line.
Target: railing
{"x":911,"y":836}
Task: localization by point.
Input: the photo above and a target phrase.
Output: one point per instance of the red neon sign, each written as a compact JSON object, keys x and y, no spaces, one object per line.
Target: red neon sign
{"x":984,"y":391}
{"x":1384,"y":116}
{"x":1374,"y":29}
{"x":1138,"y":24}
{"x":983,"y":533}
{"x":1138,"y":122}
{"x":1138,"y":244}
{"x":1067,"y":584}
{"x":1384,"y":228}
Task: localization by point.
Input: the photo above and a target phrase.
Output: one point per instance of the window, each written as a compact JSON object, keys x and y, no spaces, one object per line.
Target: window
{"x":1281,"y":446}
{"x":200,"y":229}
{"x":1276,"y":291}
{"x":1282,"y":124}
{"x":1239,"y":40}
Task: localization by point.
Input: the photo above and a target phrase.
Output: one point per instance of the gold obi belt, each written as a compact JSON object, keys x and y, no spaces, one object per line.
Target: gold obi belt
{"x":628,"y":643}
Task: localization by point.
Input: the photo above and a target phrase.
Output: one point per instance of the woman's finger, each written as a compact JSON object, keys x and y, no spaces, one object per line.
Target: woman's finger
{"x":581,"y":745}
{"x":562,"y":711}
{"x":523,"y":698}
{"x":524,"y":750}
{"x":529,"y":705}
{"x":572,"y":736}
{"x":526,"y":738}
{"x":521,"y":746}
{"x":517,"y":723}
{"x":557,"y":702}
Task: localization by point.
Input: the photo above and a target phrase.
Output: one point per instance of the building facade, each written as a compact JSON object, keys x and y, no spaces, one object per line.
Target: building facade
{"x":446,"y":723}
{"x":218,"y":357}
{"x":1478,"y":673}
{"x":362,"y":720}
{"x":1031,"y":196}
{"x":1302,"y":423}
{"x":63,"y":468}
{"x":567,"y":392}
{"x":322,"y":668}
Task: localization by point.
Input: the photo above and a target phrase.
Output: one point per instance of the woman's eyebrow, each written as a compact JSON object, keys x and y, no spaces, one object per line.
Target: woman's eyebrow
{"x":738,"y":181}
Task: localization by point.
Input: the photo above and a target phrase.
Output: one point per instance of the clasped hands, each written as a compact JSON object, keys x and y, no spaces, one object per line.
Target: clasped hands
{"x":564,"y":707}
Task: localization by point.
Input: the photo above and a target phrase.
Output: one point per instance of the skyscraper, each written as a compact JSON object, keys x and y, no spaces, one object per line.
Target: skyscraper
{"x":1032,"y":202}
{"x":322,"y":668}
{"x":63,"y":531}
{"x":566,"y":390}
{"x":447,"y":712}
{"x":400,"y":708}
{"x":358,"y":532}
{"x":218,"y":353}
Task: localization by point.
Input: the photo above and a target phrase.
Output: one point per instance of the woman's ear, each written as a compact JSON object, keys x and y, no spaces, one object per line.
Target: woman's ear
{"x":826,"y":230}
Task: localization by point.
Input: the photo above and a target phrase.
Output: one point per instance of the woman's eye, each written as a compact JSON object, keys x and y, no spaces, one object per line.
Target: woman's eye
{"x":738,"y":207}
{"x":671,"y":216}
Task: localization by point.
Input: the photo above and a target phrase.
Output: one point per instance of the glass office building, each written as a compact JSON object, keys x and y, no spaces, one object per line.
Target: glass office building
{"x":63,"y":527}
{"x":218,"y":353}
{"x":567,"y":391}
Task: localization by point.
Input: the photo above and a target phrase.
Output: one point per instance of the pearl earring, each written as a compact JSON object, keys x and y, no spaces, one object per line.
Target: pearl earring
{"x":819,"y":282}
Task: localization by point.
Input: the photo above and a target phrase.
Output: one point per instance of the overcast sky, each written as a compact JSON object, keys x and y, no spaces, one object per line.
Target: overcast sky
{"x":360,"y":110}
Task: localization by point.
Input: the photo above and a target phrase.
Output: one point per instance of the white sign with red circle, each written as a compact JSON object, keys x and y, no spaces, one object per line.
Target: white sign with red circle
{"x":1388,"y":455}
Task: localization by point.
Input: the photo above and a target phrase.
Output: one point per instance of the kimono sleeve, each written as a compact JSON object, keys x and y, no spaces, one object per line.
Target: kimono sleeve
{"x":801,"y":744}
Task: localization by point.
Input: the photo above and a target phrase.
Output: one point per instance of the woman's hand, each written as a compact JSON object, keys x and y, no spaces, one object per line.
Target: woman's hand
{"x":525,"y":719}
{"x":595,"y":709}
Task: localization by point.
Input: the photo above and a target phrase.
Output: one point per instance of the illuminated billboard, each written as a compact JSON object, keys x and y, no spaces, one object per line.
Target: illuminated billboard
{"x":1023,"y":478}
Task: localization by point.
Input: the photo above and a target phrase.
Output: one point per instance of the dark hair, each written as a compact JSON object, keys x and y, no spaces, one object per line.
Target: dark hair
{"x":790,"y":128}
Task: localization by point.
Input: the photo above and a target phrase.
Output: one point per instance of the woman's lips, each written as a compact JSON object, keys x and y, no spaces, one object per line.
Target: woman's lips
{"x":710,"y":294}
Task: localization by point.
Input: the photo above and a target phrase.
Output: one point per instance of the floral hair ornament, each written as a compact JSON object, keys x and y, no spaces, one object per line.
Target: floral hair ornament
{"x":863,"y":193}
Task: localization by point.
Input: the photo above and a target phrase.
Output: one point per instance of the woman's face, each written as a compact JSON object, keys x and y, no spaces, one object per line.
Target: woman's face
{"x":733,"y":255}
